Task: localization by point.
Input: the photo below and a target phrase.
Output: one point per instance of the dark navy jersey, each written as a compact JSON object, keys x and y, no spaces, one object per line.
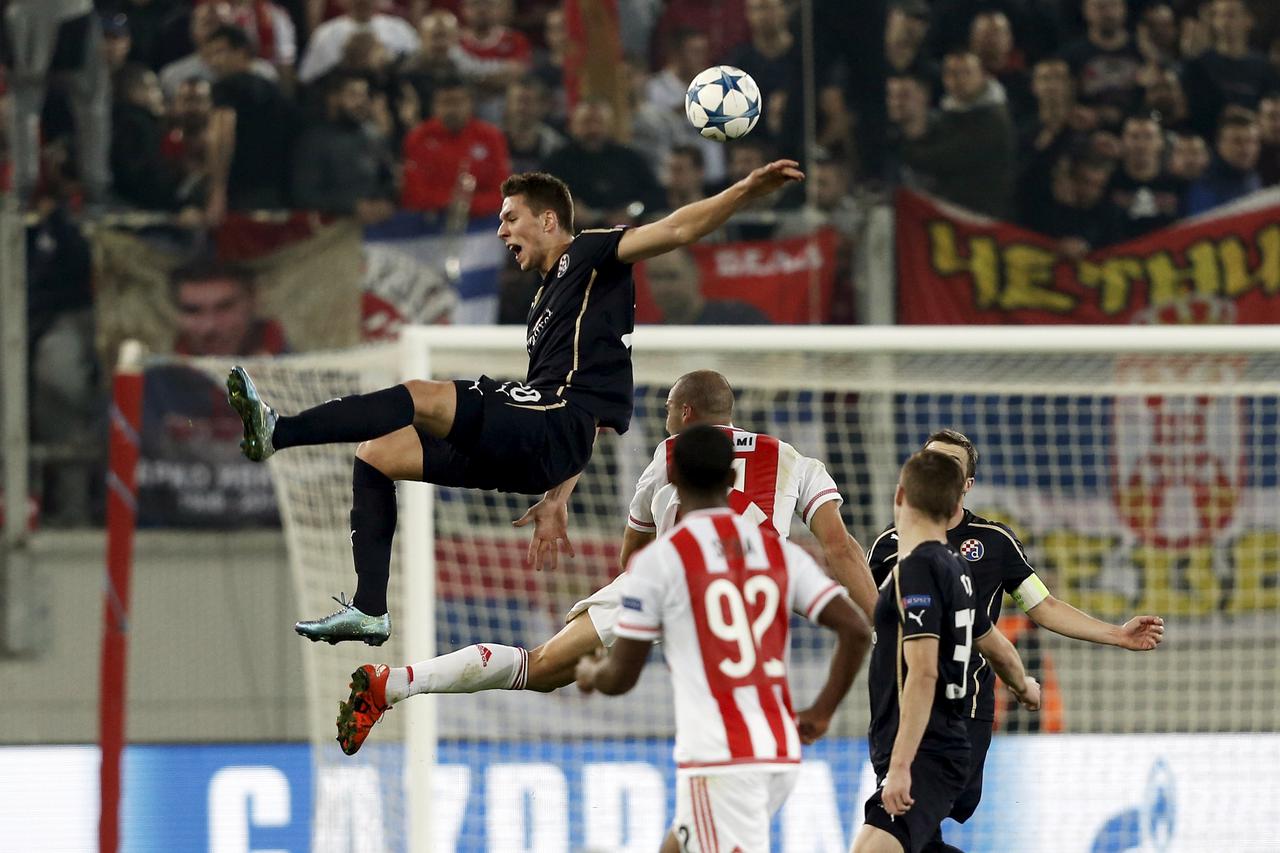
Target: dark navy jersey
{"x":580,"y":325}
{"x":928,"y":594}
{"x":998,"y":564}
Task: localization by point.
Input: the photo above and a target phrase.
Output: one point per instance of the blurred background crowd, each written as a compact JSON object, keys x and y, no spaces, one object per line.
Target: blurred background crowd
{"x":1090,"y":121}
{"x":1095,"y":120}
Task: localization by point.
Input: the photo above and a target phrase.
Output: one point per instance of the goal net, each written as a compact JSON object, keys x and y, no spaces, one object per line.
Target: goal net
{"x":1139,"y":466}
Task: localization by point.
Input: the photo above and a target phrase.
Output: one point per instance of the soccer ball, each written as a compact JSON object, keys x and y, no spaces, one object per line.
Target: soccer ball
{"x":723,"y":103}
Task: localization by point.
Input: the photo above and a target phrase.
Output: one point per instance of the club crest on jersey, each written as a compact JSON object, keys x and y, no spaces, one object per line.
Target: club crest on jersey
{"x":564,"y":265}
{"x":909,"y":601}
{"x":630,"y":602}
{"x":972,"y":550}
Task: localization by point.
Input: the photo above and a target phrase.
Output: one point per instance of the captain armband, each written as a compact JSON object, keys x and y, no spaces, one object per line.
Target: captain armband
{"x":1030,"y":592}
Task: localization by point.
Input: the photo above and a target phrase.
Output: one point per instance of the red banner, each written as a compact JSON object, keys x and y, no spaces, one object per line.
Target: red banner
{"x":789,"y":280}
{"x":956,"y":267}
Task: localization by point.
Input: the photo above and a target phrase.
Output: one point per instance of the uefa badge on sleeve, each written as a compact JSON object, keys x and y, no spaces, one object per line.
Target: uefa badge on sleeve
{"x":971,"y":550}
{"x":564,"y":265}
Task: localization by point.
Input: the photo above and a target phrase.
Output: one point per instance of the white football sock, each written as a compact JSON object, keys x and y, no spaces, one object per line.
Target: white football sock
{"x":486,"y":666}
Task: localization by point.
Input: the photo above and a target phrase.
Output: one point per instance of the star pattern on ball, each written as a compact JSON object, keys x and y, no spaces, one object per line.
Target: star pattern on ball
{"x":723,"y":103}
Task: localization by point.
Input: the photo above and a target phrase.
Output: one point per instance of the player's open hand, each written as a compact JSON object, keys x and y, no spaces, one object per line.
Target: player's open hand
{"x":550,"y":521}
{"x":1029,"y":696}
{"x":812,"y":725}
{"x":771,"y":177}
{"x":896,"y":793}
{"x":1142,"y":633}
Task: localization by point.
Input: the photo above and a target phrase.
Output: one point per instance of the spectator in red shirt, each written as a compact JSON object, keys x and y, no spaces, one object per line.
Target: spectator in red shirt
{"x":451,"y":144}
{"x":724,"y":22}
{"x":487,"y":38}
{"x":493,"y":54}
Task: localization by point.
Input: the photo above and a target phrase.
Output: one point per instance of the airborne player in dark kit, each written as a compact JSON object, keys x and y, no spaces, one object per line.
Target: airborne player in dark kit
{"x":926,"y":625}
{"x":999,"y":565}
{"x":528,"y":437}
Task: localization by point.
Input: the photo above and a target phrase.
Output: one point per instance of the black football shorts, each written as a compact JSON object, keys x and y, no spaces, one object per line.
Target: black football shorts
{"x":509,"y":437}
{"x":936,"y":783}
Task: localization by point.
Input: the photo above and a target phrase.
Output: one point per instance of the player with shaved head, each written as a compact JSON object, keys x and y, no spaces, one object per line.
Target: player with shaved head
{"x":772,"y":483}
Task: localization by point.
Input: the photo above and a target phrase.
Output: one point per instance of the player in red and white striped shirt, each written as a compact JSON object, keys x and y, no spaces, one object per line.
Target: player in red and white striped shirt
{"x":718,"y":591}
{"x":772,"y":481}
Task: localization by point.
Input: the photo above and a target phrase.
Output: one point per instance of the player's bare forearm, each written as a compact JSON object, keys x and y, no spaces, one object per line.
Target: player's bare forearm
{"x":1004,"y":659}
{"x":632,"y":541}
{"x":845,"y":556}
{"x":1139,"y":634}
{"x":561,"y":493}
{"x":616,"y":673}
{"x":1056,"y":615}
{"x":853,"y":639}
{"x":696,"y":220}
{"x":916,"y":700}
{"x":860,"y":583}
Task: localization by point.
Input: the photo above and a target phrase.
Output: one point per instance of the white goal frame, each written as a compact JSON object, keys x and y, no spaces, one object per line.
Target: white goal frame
{"x":419,"y":345}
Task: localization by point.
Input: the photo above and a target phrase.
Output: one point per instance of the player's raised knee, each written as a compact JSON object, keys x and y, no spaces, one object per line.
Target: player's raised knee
{"x":372,"y":452}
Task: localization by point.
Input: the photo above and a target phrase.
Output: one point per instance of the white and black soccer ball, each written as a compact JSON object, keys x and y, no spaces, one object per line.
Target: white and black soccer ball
{"x":723,"y":103}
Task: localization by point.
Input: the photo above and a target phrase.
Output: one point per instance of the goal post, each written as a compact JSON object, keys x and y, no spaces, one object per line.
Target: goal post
{"x":1137,"y":464}
{"x":419,"y":558}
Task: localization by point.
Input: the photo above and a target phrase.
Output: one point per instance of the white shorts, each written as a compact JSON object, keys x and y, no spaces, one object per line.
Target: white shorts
{"x":723,"y":812}
{"x":602,"y":606}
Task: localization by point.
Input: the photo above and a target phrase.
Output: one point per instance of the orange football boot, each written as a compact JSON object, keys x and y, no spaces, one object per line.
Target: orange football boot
{"x":364,"y":707}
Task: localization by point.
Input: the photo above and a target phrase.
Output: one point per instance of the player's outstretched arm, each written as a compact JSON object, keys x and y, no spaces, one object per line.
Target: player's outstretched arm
{"x":845,"y":557}
{"x":550,"y":519}
{"x":853,"y":638}
{"x":914,"y":705}
{"x":617,"y":672}
{"x":1139,"y":634}
{"x":694,"y":221}
{"x":1004,"y":659}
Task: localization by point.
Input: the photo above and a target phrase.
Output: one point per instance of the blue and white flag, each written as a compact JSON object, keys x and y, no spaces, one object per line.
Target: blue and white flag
{"x":412,"y":264}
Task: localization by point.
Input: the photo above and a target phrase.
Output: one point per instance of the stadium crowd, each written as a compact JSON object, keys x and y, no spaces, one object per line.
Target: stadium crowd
{"x":1091,"y":121}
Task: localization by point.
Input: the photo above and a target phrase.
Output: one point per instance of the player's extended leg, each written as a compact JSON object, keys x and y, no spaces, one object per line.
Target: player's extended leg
{"x":379,"y":463}
{"x":490,"y":666}
{"x":552,"y":664}
{"x":548,"y":667}
{"x":873,"y":839}
{"x":484,"y":666}
{"x":429,"y":405}
{"x":967,"y":802}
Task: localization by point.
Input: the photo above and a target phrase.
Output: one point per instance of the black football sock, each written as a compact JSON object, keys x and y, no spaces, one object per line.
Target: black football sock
{"x":373,"y":523}
{"x":360,"y":417}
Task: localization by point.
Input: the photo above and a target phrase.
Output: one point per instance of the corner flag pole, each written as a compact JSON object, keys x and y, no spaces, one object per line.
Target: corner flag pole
{"x":122,"y":507}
